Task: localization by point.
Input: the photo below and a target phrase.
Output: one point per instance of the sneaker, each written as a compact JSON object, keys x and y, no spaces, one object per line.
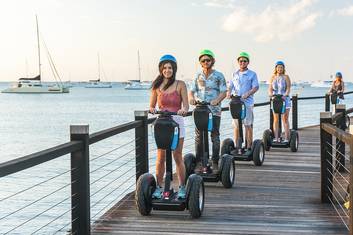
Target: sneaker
{"x":215,"y":167}
{"x":285,"y":141}
{"x":198,"y":168}
{"x":182,"y":192}
{"x":157,"y":194}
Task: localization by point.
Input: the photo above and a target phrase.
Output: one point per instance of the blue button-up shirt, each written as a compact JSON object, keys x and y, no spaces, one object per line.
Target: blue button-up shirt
{"x":243,"y":82}
{"x":209,"y":89}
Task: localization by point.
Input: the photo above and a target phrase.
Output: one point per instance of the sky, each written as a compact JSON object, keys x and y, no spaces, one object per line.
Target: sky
{"x":314,"y":38}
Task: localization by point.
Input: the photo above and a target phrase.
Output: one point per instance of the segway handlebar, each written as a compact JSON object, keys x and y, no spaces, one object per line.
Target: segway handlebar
{"x":197,"y":102}
{"x":164,"y":113}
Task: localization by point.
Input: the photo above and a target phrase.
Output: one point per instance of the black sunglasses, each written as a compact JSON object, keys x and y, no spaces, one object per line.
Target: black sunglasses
{"x":243,"y":61}
{"x":205,"y":60}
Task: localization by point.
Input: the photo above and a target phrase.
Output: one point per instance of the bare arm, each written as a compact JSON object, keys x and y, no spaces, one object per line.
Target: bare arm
{"x":191,"y":98}
{"x":331,"y":88}
{"x":270,"y":88}
{"x":153,"y":101}
{"x":184,"y":99}
{"x":342,"y":86}
{"x":219,"y":98}
{"x":288,"y":86}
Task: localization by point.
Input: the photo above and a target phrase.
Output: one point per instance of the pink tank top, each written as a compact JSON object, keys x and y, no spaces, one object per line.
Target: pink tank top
{"x":169,"y":101}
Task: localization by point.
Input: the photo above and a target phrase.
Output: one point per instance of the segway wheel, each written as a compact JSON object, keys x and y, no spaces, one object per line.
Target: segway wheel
{"x":228,"y":171}
{"x":348,"y":121}
{"x":294,"y":141}
{"x":190,"y":163}
{"x":267,"y":139}
{"x":195,"y":195}
{"x":146,"y":184}
{"x":227,"y":146}
{"x":258,"y":153}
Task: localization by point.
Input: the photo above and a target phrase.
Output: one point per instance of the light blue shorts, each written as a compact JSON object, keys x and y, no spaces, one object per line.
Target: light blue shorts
{"x":288,"y":102}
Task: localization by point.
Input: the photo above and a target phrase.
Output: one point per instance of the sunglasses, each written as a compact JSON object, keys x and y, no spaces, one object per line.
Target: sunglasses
{"x":243,"y":61}
{"x":205,"y":60}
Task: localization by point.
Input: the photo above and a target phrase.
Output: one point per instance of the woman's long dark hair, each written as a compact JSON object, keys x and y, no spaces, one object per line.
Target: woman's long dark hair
{"x":159,"y":79}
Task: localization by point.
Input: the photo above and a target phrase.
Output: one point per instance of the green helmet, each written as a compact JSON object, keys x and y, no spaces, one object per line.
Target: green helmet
{"x":244,"y":54}
{"x":206,"y":52}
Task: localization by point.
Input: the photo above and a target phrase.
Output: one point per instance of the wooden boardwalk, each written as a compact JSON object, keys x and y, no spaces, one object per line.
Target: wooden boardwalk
{"x":280,"y":197}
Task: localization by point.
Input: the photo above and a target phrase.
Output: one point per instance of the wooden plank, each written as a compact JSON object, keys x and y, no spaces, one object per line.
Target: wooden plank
{"x":280,"y":197}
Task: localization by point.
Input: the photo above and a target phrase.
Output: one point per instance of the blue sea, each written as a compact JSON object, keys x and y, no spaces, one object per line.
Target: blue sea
{"x":34,"y":122}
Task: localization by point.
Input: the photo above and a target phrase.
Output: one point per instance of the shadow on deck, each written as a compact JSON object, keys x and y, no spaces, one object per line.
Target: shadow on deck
{"x":280,"y":197}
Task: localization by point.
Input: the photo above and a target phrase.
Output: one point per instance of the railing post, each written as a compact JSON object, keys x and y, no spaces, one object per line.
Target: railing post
{"x":80,"y":191}
{"x":141,"y":144}
{"x":351,"y":186}
{"x":295,"y":112}
{"x":327,"y":103}
{"x":340,"y":145}
{"x":271,"y":116}
{"x":326,"y":158}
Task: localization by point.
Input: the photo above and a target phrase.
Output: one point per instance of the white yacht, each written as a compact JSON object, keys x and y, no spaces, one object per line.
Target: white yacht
{"x":98,"y":84}
{"x":137,"y":84}
{"x":34,"y":85}
{"x":320,"y":83}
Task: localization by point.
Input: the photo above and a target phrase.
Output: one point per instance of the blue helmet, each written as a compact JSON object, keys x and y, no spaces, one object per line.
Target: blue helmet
{"x":339,"y":74}
{"x":167,"y":58}
{"x":279,"y":63}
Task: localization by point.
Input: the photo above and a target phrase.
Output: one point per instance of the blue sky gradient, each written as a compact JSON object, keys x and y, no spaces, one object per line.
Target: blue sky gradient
{"x":313,"y":37}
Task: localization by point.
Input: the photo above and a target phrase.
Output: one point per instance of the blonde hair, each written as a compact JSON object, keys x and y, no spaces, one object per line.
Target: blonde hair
{"x":275,"y":70}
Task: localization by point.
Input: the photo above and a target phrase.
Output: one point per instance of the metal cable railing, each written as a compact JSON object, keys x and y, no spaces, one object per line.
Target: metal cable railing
{"x":336,"y":167}
{"x":114,"y":171}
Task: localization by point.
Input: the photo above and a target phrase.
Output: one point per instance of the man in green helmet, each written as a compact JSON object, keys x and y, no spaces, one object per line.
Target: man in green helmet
{"x":210,"y":86}
{"x":244,"y":83}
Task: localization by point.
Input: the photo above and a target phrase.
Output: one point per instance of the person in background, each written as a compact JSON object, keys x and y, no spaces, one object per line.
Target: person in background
{"x":280,"y":84}
{"x":171,"y":95}
{"x":338,"y":86}
{"x":244,"y":83}
{"x":209,"y":85}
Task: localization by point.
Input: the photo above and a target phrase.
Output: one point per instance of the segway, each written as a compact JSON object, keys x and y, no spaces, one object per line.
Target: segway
{"x":166,"y":134}
{"x":278,"y":106}
{"x":226,"y":173}
{"x":336,"y":100}
{"x":257,"y":153}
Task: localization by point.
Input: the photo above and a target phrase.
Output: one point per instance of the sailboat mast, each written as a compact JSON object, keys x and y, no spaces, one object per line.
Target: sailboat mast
{"x":139,"y":65}
{"x":99,"y":68}
{"x":39,"y":64}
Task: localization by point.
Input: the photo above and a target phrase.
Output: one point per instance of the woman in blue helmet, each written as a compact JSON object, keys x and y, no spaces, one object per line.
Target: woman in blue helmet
{"x":280,"y":84}
{"x":338,"y":86}
{"x":170,"y":95}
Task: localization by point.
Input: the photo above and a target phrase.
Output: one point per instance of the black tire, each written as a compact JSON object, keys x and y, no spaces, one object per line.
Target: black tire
{"x":190,"y":163}
{"x":146,"y":184}
{"x":228,"y":171}
{"x":195,"y":195}
{"x":258,"y":153}
{"x":348,"y":122}
{"x":267,"y":139}
{"x":227,"y":146}
{"x":294,"y":141}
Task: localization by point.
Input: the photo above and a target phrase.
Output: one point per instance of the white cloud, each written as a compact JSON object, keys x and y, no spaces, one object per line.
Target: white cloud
{"x":348,"y":11}
{"x":274,"y":22}
{"x":220,"y":3}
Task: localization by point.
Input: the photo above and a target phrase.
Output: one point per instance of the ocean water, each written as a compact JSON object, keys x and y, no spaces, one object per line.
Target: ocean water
{"x":34,"y":122}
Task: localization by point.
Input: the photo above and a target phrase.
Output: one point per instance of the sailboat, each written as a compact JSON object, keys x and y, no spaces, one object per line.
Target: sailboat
{"x":34,"y":85}
{"x":137,"y":84}
{"x":97,"y":82}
